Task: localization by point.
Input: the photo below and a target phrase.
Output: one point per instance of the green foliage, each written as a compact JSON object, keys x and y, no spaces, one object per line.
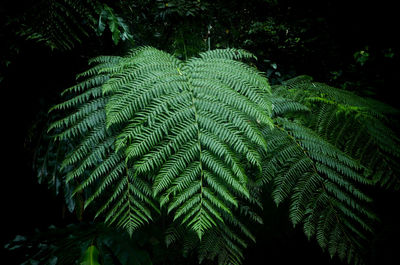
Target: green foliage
{"x":194,"y":141}
{"x":180,"y":7}
{"x":361,"y":56}
{"x":62,"y":24}
{"x":118,"y":28}
{"x":80,"y":244}
{"x":96,"y":151}
{"x":328,"y":144}
{"x":323,"y":185}
{"x":91,"y":256}
{"x":153,"y":128}
{"x":360,"y":127}
{"x":147,"y":136}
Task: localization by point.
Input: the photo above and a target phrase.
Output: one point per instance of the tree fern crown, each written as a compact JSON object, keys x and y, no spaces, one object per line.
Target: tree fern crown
{"x":187,"y":125}
{"x":184,"y":128}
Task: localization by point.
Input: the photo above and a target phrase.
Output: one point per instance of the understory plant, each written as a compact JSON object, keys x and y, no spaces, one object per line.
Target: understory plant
{"x":199,"y":144}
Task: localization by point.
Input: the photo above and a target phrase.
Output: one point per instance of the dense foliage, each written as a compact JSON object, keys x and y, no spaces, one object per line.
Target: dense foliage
{"x":169,"y":150}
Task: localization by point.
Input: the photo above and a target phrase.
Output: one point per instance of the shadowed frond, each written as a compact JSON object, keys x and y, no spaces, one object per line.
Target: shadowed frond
{"x":322,"y":184}
{"x":328,"y":144}
{"x":60,"y":24}
{"x":359,"y":126}
{"x":94,"y":163}
{"x":223,"y":243}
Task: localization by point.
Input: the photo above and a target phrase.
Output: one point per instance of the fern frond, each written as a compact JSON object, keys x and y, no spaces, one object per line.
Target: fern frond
{"x":322,"y":184}
{"x":231,"y":54}
{"x":187,"y":123}
{"x":189,"y":129}
{"x":94,"y":163}
{"x":282,"y":106}
{"x":328,"y":144}
{"x":60,"y":24}
{"x":224,"y":242}
{"x":360,"y":127}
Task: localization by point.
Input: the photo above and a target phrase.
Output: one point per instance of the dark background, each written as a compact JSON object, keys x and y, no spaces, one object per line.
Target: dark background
{"x":33,"y":80}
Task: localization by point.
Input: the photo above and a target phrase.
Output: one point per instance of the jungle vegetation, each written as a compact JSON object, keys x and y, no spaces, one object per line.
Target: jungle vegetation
{"x":200,"y":132}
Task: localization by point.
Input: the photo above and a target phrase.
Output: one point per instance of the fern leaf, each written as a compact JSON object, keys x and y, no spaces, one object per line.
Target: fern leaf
{"x":94,"y":163}
{"x":322,"y":184}
{"x":360,"y":127}
{"x":185,"y":128}
{"x":190,"y":128}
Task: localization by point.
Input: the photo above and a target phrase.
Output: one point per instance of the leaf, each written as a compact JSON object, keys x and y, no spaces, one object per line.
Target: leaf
{"x":116,"y":35}
{"x":101,"y":25}
{"x":91,"y":256}
{"x":168,"y":133}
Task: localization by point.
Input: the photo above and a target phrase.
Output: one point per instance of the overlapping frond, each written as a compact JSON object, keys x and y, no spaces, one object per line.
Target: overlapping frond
{"x":328,"y":144}
{"x":189,"y":125}
{"x":94,"y":163}
{"x":192,"y":135}
{"x":218,"y":243}
{"x":152,"y":126}
{"x":360,"y":127}
{"x":322,"y":184}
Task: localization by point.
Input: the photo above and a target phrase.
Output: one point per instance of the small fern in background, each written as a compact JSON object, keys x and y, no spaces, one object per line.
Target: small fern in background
{"x":62,"y":24}
{"x":196,"y":142}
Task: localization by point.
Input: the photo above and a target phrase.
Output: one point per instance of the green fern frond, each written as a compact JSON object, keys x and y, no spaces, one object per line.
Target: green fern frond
{"x":360,"y":127}
{"x":282,"y":106}
{"x":181,"y":119}
{"x":185,"y":132}
{"x":322,"y":184}
{"x":223,"y":243}
{"x":94,"y":163}
{"x":328,"y":144}
{"x":60,"y":24}
{"x":230,"y":54}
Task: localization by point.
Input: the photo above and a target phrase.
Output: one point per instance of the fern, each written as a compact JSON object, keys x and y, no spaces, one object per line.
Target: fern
{"x":324,"y":149}
{"x":360,"y":127}
{"x":153,"y":128}
{"x":188,"y":124}
{"x":62,"y":24}
{"x":197,"y":139}
{"x":322,"y":184}
{"x":225,"y":242}
{"x":94,"y":162}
